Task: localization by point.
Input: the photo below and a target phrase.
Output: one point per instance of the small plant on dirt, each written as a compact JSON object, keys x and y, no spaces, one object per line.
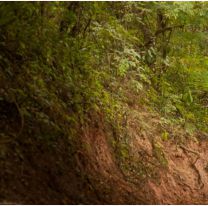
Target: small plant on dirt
{"x":159,"y":154}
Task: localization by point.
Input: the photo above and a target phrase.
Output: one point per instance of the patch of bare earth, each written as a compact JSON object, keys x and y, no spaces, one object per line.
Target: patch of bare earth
{"x":184,"y":180}
{"x":156,"y":172}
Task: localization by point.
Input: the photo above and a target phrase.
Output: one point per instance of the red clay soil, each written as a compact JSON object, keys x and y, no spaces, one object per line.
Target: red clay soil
{"x":185,"y":178}
{"x":32,"y":172}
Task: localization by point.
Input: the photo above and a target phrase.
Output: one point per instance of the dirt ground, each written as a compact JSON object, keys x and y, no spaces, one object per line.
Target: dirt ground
{"x":32,"y":172}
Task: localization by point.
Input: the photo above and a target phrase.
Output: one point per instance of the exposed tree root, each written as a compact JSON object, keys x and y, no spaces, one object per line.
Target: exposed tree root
{"x":189,"y":150}
{"x":193,"y":165}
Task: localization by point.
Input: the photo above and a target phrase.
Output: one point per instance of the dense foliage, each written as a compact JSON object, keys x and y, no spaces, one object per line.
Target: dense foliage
{"x":61,"y":62}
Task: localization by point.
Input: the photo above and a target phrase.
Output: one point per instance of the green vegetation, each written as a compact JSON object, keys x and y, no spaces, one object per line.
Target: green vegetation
{"x":81,"y":57}
{"x":66,"y":65}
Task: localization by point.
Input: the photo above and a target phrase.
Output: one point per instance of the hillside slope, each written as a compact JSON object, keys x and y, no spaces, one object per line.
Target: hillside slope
{"x":153,"y":172}
{"x":103,"y":103}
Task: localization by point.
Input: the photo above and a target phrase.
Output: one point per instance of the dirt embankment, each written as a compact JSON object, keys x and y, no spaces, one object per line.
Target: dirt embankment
{"x":173,"y":171}
{"x":182,"y":173}
{"x":154,"y":172}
